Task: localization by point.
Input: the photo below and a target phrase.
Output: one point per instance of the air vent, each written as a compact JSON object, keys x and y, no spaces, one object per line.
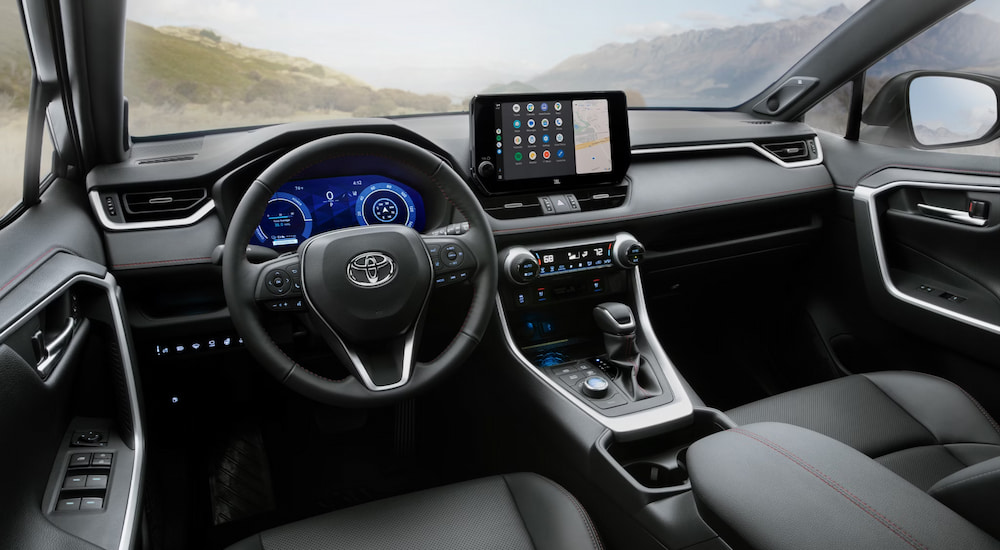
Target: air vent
{"x":758,"y":122}
{"x":789,"y":151}
{"x":161,"y":160}
{"x":163,"y":205}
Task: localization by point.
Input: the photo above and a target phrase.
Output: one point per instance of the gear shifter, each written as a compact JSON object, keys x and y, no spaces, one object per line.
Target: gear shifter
{"x":636,"y":376}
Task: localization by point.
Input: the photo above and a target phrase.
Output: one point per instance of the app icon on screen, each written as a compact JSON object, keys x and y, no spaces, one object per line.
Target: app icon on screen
{"x":531,"y":139}
{"x":532,"y":155}
{"x":545,"y":106}
{"x":546,"y":154}
{"x":517,"y":140}
{"x":531,"y":123}
{"x":516,"y":108}
{"x":559,"y":154}
{"x":559,"y":138}
{"x":518,"y":157}
{"x":545,"y":123}
{"x":517,"y":123}
{"x":545,"y":138}
{"x":498,"y":131}
{"x":558,"y":122}
{"x":558,"y":106}
{"x":530,"y":107}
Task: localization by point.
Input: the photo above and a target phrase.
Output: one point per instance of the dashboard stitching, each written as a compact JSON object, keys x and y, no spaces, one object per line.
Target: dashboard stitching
{"x":854,"y":499}
{"x":153,"y":262}
{"x":666,"y":210}
{"x":28,"y":267}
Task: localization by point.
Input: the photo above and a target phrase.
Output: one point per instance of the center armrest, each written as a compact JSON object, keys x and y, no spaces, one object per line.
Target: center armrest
{"x":776,"y":486}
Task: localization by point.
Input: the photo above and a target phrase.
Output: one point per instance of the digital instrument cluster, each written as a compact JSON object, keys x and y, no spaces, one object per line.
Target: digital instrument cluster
{"x":307,"y":207}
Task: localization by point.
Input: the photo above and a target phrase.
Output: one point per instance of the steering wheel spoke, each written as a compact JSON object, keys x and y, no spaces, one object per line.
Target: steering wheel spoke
{"x":451,"y":258}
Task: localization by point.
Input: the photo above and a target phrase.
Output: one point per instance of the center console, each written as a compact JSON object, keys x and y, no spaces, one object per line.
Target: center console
{"x":575,"y":317}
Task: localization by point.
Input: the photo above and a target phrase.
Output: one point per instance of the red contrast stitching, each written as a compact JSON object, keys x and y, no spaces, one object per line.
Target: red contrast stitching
{"x":889,"y":524}
{"x":175,"y":261}
{"x":669,"y":210}
{"x":28,"y":267}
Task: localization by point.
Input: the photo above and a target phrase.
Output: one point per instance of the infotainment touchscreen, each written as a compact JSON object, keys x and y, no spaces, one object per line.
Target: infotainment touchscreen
{"x":536,"y":141}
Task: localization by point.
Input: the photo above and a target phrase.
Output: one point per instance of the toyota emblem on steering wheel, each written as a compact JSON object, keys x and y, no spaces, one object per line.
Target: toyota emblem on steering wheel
{"x":371,"y":269}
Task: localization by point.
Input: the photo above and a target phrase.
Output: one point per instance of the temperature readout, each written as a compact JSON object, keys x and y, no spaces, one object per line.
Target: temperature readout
{"x":574,"y":258}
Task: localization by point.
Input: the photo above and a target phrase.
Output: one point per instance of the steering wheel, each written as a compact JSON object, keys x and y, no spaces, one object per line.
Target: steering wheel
{"x":367,"y":288}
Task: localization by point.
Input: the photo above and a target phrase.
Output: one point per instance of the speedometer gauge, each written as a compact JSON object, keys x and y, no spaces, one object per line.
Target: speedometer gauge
{"x":287,"y":221}
{"x":382,"y":203}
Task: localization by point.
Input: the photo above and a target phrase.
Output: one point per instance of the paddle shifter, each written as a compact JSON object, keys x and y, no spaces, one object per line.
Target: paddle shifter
{"x":635,"y":375}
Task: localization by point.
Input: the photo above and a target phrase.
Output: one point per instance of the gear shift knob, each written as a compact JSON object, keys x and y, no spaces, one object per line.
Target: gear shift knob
{"x":618,"y":324}
{"x":614,"y":318}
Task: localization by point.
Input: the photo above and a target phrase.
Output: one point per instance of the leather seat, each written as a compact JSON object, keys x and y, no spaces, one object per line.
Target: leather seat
{"x":508,"y":512}
{"x":921,"y":427}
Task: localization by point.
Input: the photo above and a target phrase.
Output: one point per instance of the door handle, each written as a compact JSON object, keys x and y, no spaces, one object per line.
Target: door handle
{"x":957,"y":216}
{"x":48,"y":352}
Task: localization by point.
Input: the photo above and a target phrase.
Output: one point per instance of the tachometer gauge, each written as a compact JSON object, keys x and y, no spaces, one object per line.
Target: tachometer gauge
{"x":382,"y":203}
{"x":287,"y":221}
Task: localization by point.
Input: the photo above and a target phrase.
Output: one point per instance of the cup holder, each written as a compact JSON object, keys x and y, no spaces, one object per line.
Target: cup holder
{"x":658,"y":462}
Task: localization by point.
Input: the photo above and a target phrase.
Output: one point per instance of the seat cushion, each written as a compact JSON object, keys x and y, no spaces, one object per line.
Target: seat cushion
{"x":509,"y":512}
{"x":922,"y":427}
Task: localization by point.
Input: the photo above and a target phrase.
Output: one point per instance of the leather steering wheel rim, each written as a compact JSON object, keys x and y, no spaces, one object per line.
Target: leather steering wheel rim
{"x":357,"y":154}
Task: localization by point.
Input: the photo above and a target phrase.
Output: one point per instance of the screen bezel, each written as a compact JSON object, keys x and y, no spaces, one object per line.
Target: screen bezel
{"x":483,"y":142}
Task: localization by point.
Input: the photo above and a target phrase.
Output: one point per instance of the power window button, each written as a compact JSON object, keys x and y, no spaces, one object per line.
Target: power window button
{"x":101,"y":459}
{"x":79,"y":460}
{"x":75,"y":482}
{"x":97,"y":481}
{"x":68,"y":504}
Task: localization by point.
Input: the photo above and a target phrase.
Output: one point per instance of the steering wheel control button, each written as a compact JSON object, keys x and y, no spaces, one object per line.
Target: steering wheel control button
{"x":452,"y":255}
{"x":278,"y":282}
{"x":595,"y":387}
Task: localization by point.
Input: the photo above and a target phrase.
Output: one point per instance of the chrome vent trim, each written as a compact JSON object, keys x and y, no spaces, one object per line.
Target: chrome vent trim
{"x":638,"y":153}
{"x":111,"y":225}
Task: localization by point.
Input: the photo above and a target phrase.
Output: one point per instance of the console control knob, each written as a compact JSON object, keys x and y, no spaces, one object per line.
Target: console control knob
{"x":628,"y":253}
{"x":521,"y":266}
{"x":486,"y":170}
{"x":595,"y":387}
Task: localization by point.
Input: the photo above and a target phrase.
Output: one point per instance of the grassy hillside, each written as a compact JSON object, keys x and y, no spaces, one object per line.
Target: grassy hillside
{"x":15,"y":67}
{"x":195,"y":74}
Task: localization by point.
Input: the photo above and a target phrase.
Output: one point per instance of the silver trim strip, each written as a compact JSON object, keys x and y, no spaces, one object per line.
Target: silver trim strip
{"x":740,"y":145}
{"x":957,"y":216}
{"x":95,"y":203}
{"x":631,"y":424}
{"x":116,"y":305}
{"x":868,"y":195}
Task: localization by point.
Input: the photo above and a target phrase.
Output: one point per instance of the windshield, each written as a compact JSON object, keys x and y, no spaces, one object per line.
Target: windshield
{"x":201,"y":64}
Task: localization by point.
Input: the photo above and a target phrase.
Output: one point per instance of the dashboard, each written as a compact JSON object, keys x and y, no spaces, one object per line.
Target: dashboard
{"x":306,"y":207}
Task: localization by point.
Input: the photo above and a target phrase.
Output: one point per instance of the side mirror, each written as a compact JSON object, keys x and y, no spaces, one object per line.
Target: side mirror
{"x":934,"y":110}
{"x":950,"y":110}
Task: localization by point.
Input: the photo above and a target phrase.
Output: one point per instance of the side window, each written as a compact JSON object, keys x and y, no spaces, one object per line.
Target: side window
{"x":15,"y":87}
{"x":966,"y":42}
{"x":15,"y":91}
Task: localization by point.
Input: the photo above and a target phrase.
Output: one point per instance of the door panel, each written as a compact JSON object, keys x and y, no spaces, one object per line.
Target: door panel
{"x":65,"y":371}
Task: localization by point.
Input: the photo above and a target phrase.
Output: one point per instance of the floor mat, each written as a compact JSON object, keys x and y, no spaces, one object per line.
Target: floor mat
{"x":240,"y":481}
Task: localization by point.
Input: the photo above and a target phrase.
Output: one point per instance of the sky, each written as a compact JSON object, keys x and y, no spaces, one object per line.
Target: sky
{"x":458,"y":46}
